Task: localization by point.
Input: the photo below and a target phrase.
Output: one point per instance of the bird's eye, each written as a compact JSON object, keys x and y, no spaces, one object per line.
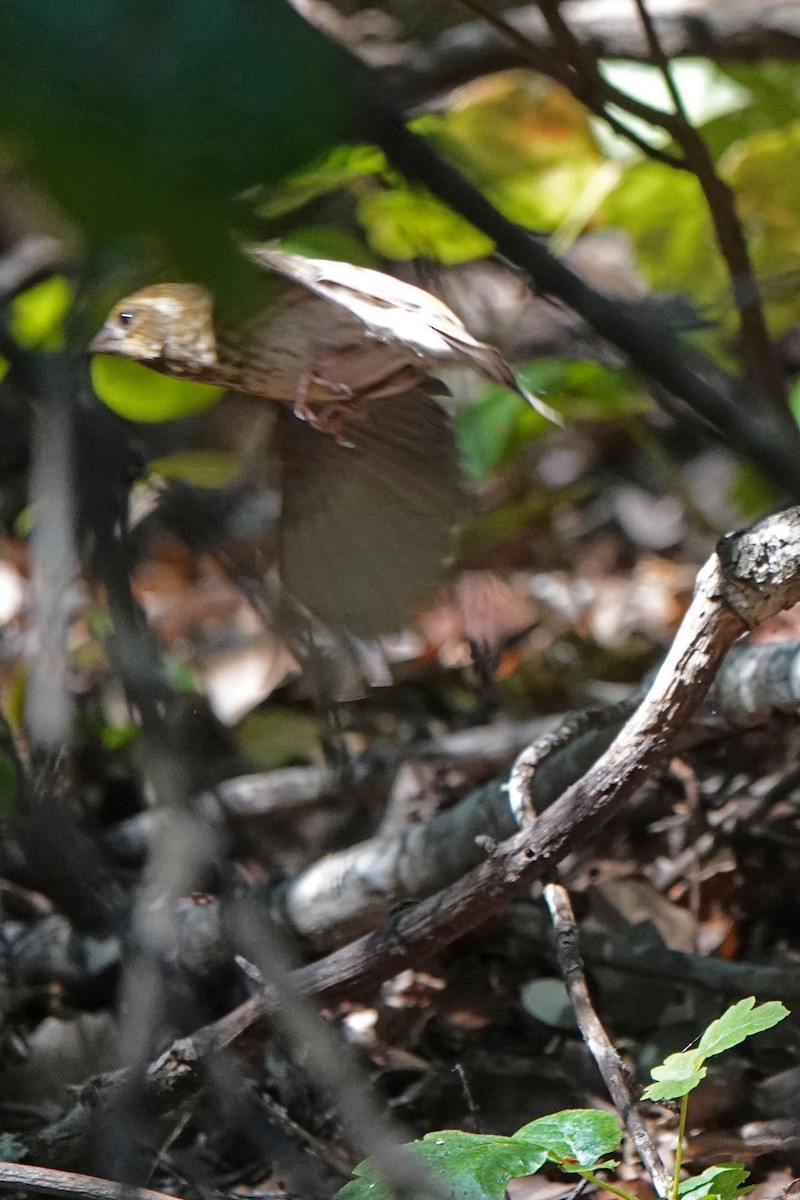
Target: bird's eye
{"x":125,"y":319}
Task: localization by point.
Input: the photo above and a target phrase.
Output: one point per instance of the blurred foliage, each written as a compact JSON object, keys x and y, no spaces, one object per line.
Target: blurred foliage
{"x":752,"y":494}
{"x":771,"y":95}
{"x":203,"y":468}
{"x":494,"y":428}
{"x":138,"y":394}
{"x":279,"y":737}
{"x":37,"y":315}
{"x":145,"y":118}
{"x":527,"y":143}
{"x":665,"y":215}
{"x":764,"y":172}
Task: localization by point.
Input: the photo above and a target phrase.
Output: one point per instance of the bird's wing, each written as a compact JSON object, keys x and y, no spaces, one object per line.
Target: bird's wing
{"x":392,"y":310}
{"x":366,"y":528}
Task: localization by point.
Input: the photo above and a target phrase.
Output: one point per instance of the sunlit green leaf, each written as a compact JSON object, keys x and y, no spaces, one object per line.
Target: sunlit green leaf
{"x":470,"y":1166}
{"x":676,"y":1076}
{"x":139,"y":394}
{"x":724,"y":1181}
{"x":773,"y":97}
{"x":405,"y":222}
{"x":526,"y":141}
{"x":666,"y":216}
{"x":333,"y":170}
{"x":764,"y":171}
{"x":36,"y":316}
{"x":739,"y":1022}
{"x":583,"y":1135}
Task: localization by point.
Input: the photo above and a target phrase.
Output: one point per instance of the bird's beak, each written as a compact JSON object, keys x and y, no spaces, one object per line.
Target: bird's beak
{"x":104,"y":342}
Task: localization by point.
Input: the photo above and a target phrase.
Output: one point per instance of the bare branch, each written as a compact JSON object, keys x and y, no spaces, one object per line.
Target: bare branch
{"x":66,"y":1183}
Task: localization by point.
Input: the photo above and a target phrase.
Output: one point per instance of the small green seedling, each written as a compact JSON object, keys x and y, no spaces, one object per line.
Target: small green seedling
{"x":679,"y":1074}
{"x":472,"y":1166}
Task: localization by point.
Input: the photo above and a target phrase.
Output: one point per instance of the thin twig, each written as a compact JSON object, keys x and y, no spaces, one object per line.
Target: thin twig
{"x":594,"y":1034}
{"x":757,"y":347}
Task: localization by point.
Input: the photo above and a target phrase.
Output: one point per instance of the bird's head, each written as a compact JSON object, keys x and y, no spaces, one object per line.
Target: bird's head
{"x":168,"y":326}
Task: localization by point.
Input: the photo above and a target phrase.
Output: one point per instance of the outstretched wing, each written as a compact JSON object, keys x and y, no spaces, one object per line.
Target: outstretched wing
{"x":366,"y":528}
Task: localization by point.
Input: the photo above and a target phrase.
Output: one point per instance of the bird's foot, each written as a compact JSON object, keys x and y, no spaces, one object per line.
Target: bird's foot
{"x":327,"y":416}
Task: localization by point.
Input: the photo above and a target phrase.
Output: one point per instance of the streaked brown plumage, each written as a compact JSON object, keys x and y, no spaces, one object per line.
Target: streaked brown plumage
{"x":367,"y":515}
{"x":328,"y":330}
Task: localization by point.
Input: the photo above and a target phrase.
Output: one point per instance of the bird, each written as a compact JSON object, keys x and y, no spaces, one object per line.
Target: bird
{"x":370,"y":478}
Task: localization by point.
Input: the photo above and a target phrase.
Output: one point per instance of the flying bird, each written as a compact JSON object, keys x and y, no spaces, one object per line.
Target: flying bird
{"x":370,"y":477}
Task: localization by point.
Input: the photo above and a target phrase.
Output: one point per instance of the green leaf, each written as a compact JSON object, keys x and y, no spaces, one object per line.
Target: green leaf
{"x":583,"y":1135}
{"x":740,"y":1021}
{"x":666,"y":216}
{"x":677,"y":1075}
{"x":368,"y":1185}
{"x":490,"y":431}
{"x":36,"y":316}
{"x":340,"y":166}
{"x":471,"y":1166}
{"x":139,"y":394}
{"x":723,"y":1181}
{"x":329,"y":241}
{"x":408,"y":222}
{"x":773,"y":95}
{"x":116,"y":737}
{"x":763,"y":171}
{"x":499,"y":423}
{"x":751,"y":492}
{"x":278,"y":736}
{"x":794,"y":401}
{"x":478,"y":1166}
